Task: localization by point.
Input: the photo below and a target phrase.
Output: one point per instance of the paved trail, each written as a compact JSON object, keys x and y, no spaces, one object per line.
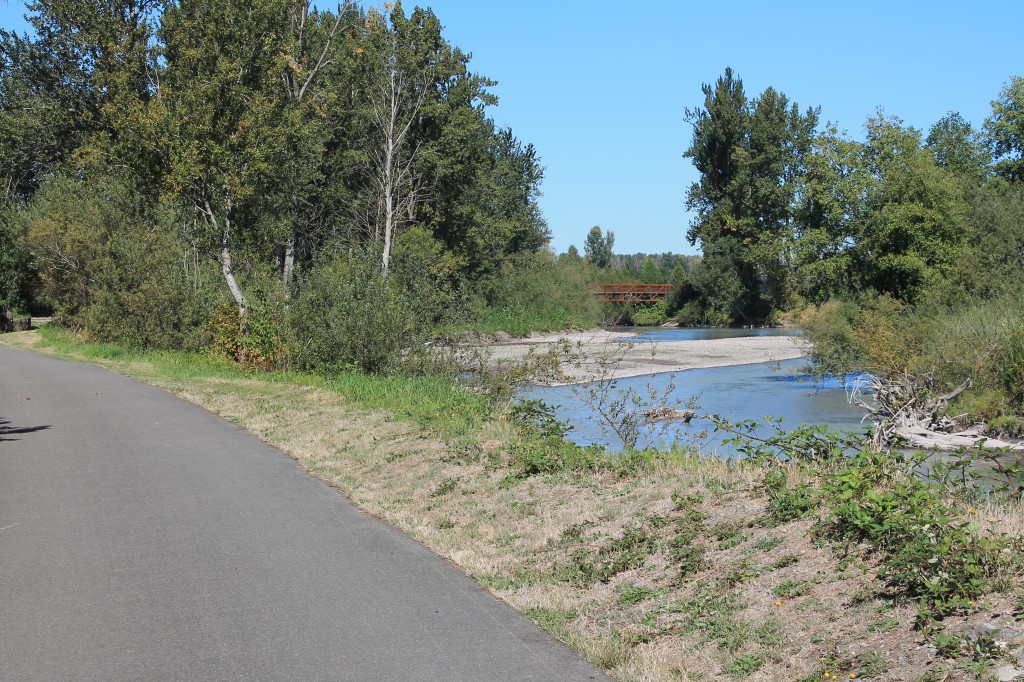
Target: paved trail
{"x":142,"y":538}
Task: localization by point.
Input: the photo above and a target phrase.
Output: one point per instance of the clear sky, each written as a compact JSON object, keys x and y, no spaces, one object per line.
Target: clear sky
{"x":600,"y":87}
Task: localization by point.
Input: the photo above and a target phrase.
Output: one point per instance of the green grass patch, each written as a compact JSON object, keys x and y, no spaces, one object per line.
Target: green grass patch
{"x":790,"y":589}
{"x":438,"y":403}
{"x":744,"y":666}
{"x":631,"y":594}
{"x":552,"y":621}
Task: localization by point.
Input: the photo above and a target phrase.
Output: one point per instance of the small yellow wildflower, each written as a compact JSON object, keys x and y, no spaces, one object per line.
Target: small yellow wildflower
{"x":970,"y":510}
{"x":779,"y":603}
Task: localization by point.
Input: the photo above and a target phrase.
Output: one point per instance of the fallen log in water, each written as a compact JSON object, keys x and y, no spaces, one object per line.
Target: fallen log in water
{"x":919,"y":437}
{"x":907,"y":411}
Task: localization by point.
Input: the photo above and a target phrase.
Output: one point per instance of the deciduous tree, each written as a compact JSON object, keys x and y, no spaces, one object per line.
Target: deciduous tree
{"x":598,"y":246}
{"x":958,"y":147}
{"x":219,"y":96}
{"x":1005,"y":128}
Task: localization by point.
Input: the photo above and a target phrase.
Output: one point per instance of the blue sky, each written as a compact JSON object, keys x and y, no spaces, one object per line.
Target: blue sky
{"x":600,"y":88}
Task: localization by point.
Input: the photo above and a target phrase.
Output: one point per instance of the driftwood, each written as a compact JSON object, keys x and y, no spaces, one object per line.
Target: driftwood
{"x":666,"y":414}
{"x":906,"y":411}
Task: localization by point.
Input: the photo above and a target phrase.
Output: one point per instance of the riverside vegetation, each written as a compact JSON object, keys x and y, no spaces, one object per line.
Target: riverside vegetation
{"x":292,"y":215}
{"x":827,"y":561}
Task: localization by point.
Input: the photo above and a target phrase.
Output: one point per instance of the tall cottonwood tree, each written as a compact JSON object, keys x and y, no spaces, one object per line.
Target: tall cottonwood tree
{"x":912,"y":220}
{"x":315,"y":42}
{"x":598,"y":246}
{"x":830,"y":206}
{"x":398,"y":86}
{"x":218,"y":94}
{"x":772,"y":163}
{"x":749,"y":155}
{"x":720,"y":131}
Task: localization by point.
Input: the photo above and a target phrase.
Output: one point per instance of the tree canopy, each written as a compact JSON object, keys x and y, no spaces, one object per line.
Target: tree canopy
{"x":785,"y":211}
{"x":261,"y":138}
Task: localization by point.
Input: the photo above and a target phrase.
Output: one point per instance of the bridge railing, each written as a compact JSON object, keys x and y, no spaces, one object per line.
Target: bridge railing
{"x":632,"y":292}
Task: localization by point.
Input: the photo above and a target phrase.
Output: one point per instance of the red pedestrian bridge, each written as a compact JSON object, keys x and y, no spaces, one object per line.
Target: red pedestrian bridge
{"x":632,"y":292}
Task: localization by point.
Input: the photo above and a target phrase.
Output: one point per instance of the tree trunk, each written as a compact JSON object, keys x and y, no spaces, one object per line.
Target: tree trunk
{"x":389,"y":204}
{"x":289,"y":265}
{"x":225,"y":263}
{"x":229,"y":272}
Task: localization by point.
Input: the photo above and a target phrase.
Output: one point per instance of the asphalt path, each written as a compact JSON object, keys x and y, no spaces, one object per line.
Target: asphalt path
{"x":143,"y":538}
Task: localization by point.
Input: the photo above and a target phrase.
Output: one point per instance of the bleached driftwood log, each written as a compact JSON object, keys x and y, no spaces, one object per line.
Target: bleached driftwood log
{"x":905,"y":410}
{"x":663,"y":414}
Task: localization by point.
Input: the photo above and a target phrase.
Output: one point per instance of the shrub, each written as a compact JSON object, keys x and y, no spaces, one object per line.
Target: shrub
{"x":263,"y":341}
{"x":116,"y":269}
{"x":347,"y":315}
{"x":785,"y":502}
{"x":650,"y":315}
{"x":540,"y":293}
{"x":690,"y":314}
{"x":932,"y":554}
{"x":422,"y":267}
{"x":1010,"y":362}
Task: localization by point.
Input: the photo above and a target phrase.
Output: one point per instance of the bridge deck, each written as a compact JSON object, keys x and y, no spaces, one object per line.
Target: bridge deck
{"x":632,"y":292}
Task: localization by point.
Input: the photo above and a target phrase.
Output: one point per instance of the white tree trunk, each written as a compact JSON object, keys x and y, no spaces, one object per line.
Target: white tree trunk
{"x":225,"y":261}
{"x":389,"y":197}
{"x":289,"y":264}
{"x":395,"y":110}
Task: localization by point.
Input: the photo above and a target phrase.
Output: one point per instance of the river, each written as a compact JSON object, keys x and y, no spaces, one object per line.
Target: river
{"x":739,"y":392}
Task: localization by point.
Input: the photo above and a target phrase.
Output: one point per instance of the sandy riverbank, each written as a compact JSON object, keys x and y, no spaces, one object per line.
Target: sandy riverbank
{"x":588,"y":354}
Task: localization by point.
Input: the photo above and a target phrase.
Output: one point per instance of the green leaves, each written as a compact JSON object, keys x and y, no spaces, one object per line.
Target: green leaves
{"x":750,"y":155}
{"x":1005,"y":128}
{"x":598,"y":246}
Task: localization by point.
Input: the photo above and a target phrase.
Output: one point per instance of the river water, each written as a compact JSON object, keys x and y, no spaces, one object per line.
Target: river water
{"x":740,"y":392}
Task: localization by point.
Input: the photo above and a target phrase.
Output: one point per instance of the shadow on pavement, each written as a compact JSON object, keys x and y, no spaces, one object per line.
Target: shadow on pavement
{"x":7,"y":430}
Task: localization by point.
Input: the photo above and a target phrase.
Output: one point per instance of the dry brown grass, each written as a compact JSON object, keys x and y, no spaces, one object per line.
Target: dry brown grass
{"x":793,"y":608}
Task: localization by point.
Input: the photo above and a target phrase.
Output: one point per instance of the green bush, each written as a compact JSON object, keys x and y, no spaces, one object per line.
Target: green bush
{"x":932,"y":553}
{"x":145,"y":298}
{"x":1010,"y":362}
{"x":786,"y":502}
{"x":651,"y":315}
{"x":116,"y":270}
{"x":541,"y":293}
{"x":263,"y":341}
{"x":690,"y":314}
{"x":423,"y":268}
{"x":347,"y":315}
